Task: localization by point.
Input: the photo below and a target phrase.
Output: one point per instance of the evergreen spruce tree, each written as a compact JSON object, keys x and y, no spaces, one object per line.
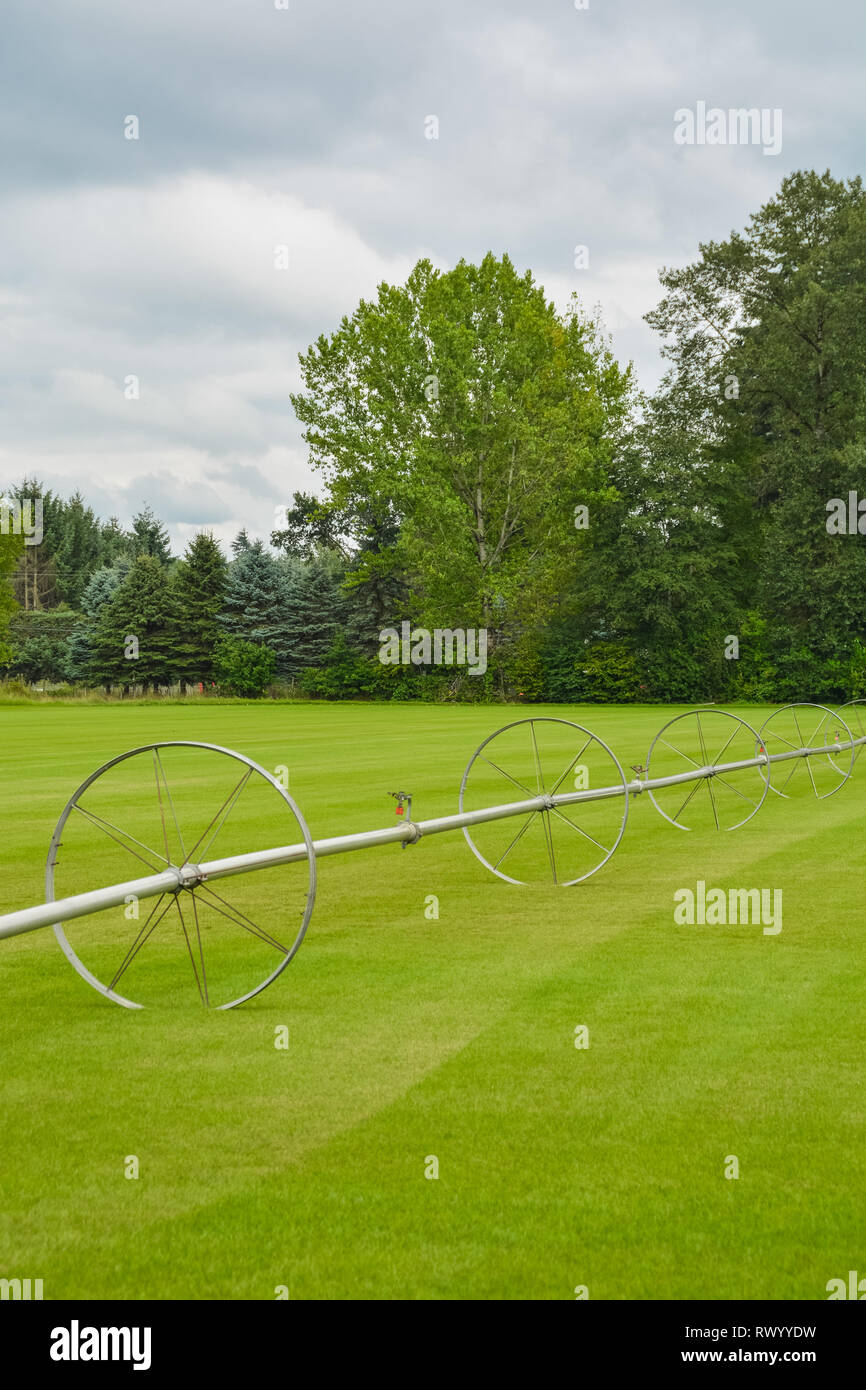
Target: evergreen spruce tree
{"x":114,"y":542}
{"x":149,"y":536}
{"x":256,"y":601}
{"x":141,"y":609}
{"x":102,"y":586}
{"x":78,"y":553}
{"x":35,"y":581}
{"x":199,"y":589}
{"x":315,"y":610}
{"x":11,"y":546}
{"x":99,"y":591}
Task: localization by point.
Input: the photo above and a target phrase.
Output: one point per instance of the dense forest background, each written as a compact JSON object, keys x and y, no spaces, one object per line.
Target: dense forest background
{"x":487,"y":463}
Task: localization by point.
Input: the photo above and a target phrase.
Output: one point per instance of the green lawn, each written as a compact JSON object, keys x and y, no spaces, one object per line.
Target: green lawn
{"x":411,"y":1038}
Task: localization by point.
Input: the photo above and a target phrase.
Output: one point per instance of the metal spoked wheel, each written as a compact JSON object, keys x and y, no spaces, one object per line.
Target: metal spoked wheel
{"x":154,"y":805}
{"x":700,"y":739}
{"x":854,"y":714}
{"x":563,"y":844}
{"x":814,"y":762}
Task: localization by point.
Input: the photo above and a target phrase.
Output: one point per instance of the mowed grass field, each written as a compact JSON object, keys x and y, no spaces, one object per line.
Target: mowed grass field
{"x":412,"y":1038}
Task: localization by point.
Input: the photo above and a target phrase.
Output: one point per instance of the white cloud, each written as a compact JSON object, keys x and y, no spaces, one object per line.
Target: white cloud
{"x":173,"y":283}
{"x":261,"y":128}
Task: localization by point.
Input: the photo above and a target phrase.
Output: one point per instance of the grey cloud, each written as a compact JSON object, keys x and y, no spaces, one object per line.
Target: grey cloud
{"x":257,"y":126}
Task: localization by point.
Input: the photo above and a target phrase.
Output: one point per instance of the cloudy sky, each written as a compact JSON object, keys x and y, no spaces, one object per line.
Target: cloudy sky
{"x":307,"y":127}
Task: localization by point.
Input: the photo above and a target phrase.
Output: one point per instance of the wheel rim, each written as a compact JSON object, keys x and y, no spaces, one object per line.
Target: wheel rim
{"x":856,"y":721}
{"x":186,"y":907}
{"x":689,"y":748}
{"x":826,"y":771}
{"x":532,"y":750}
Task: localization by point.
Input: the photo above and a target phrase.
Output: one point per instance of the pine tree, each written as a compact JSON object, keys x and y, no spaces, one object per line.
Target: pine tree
{"x":199,"y":588}
{"x":11,"y":546}
{"x":315,"y":610}
{"x":102,"y":586}
{"x":149,"y":536}
{"x":35,"y":581}
{"x":256,"y":601}
{"x":78,"y":552}
{"x":131,"y":641}
{"x":114,"y":542}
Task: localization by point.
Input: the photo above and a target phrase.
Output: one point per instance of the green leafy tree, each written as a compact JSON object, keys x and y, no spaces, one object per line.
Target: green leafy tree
{"x":102,"y":586}
{"x":99,"y":591}
{"x":114,"y":542}
{"x":767,"y":351}
{"x":310,"y":526}
{"x":660,"y":578}
{"x":466,"y":408}
{"x":42,"y":639}
{"x":243,"y":668}
{"x":241,"y":543}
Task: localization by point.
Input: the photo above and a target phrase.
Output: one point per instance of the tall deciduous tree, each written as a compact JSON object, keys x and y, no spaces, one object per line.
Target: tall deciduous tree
{"x":463,"y":405}
{"x":768,"y":355}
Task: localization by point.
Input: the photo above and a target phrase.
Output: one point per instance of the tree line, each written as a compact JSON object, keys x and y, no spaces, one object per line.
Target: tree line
{"x":486,"y":463}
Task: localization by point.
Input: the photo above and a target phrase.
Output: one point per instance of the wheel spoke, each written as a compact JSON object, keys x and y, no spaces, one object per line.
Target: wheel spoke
{"x":189,"y":948}
{"x":788,"y":778}
{"x":139,"y":941}
{"x":538,"y":777}
{"x":679,"y":751}
{"x":104,"y":824}
{"x":782,"y":739}
{"x":812,"y":744}
{"x":558,"y":783}
{"x":585,"y":833}
{"x":240,"y":919}
{"x":171,"y":804}
{"x":686,"y":802}
{"x":808,"y":763}
{"x":731,"y":788}
{"x":709,"y":780}
{"x":718,"y":757}
{"x":161,"y":810}
{"x":519,"y":836}
{"x":200,"y":948}
{"x":510,"y":778}
{"x":545,"y":822}
{"x":222,"y":813}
